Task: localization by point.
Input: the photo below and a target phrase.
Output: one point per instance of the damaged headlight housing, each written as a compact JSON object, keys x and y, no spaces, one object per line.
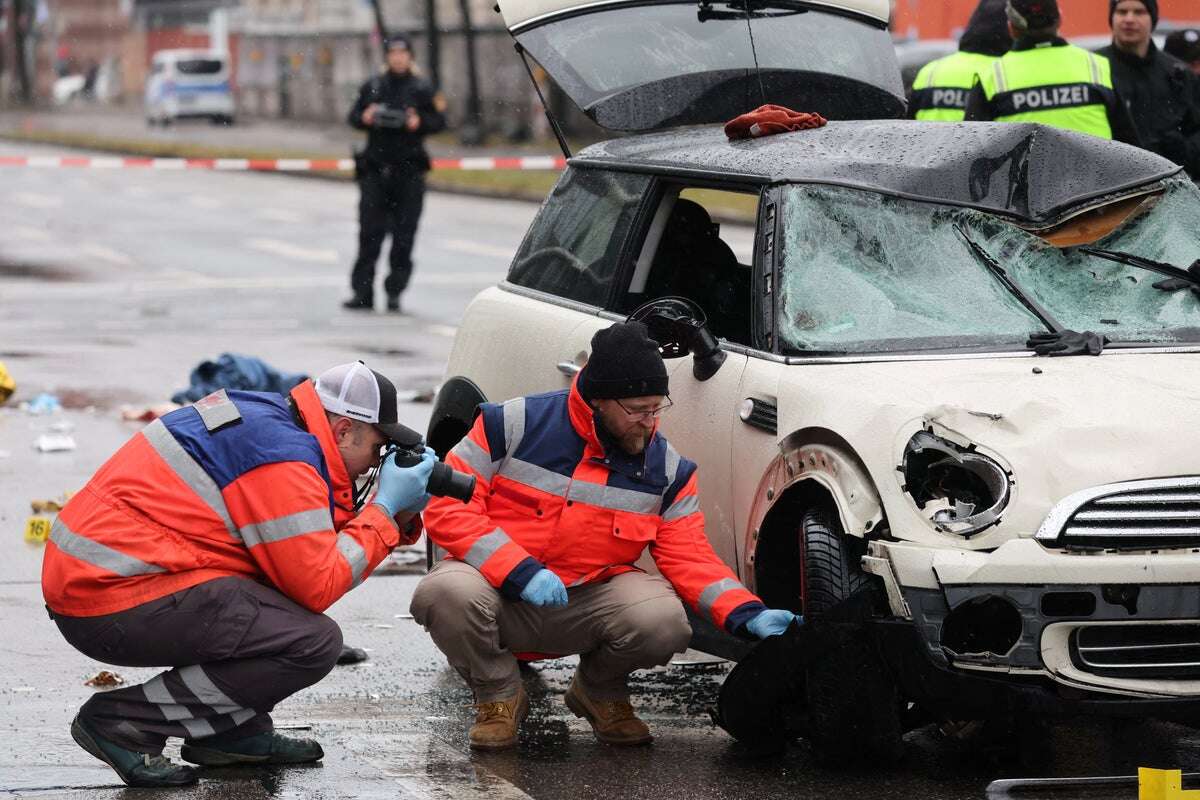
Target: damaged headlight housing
{"x":962,"y":491}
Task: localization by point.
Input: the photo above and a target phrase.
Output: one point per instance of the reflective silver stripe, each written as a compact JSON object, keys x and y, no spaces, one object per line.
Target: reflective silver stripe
{"x":484,"y":547}
{"x":188,"y":471}
{"x":682,"y":507}
{"x":476,"y":458}
{"x":514,"y":425}
{"x":354,"y":554}
{"x":672,"y":465}
{"x":280,"y":528}
{"x":242,"y":716}
{"x":1095,"y":65}
{"x":1001,"y":81}
{"x":217,"y":410}
{"x":156,"y":692}
{"x":713,"y":592}
{"x":614,"y":499}
{"x":199,"y":684}
{"x":197,"y":728}
{"x":535,"y":476}
{"x":98,"y":555}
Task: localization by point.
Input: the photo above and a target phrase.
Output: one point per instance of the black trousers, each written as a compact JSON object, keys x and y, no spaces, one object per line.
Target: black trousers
{"x":237,"y":648}
{"x":390,"y":202}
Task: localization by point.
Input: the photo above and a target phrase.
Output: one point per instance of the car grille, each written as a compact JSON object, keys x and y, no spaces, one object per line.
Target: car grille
{"x":1138,"y":651}
{"x":1135,"y":515}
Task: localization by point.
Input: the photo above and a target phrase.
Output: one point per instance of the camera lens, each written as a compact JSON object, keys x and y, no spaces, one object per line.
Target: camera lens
{"x":446,"y":482}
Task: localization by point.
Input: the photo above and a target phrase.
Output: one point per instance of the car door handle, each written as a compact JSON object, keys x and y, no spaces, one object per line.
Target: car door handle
{"x":569,"y":368}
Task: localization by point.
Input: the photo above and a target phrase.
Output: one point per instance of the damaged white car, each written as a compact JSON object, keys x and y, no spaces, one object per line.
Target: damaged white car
{"x":867,"y":413}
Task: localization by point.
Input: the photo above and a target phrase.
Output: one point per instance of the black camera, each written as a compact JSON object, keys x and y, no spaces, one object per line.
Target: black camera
{"x":443,"y":481}
{"x":388,"y":117}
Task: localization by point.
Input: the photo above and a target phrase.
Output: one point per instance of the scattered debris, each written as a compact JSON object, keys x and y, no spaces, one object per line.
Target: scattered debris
{"x":402,"y":616}
{"x":42,"y":405}
{"x":24,"y":688}
{"x":352,"y":655}
{"x":383,"y":625}
{"x":7,"y":384}
{"x":104,"y":679}
{"x":37,"y":530}
{"x":233,"y":371}
{"x":54,"y":443}
{"x":405,"y":556}
{"x":50,"y":506}
{"x":293,"y":727}
{"x":147,"y":413}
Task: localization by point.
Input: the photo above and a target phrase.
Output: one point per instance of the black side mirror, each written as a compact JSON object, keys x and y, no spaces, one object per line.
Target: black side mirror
{"x":679,"y":325}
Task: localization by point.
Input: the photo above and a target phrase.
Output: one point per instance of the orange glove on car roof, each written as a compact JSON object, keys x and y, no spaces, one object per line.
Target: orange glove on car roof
{"x":768,"y":120}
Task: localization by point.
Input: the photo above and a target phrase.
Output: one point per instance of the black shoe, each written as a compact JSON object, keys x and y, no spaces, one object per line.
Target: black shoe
{"x":351,"y":655}
{"x":393,"y":305}
{"x":262,"y":748}
{"x":359,"y":304}
{"x":136,"y":769}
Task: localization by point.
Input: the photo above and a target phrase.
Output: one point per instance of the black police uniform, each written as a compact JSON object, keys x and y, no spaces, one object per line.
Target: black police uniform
{"x":391,"y":177}
{"x":1163,"y":97}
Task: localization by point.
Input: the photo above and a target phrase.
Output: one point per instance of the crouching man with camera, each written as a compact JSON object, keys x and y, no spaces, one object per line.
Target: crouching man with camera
{"x":211,"y":543}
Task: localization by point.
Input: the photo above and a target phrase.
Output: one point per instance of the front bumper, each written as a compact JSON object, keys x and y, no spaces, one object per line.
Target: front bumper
{"x":1121,"y":627}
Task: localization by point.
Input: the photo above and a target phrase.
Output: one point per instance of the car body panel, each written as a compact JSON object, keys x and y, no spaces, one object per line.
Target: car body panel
{"x":172,"y":94}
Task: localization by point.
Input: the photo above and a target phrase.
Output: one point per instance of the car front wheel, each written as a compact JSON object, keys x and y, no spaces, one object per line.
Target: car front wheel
{"x":853,"y":702}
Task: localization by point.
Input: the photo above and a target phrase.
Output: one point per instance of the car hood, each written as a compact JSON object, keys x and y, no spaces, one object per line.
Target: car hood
{"x":1059,"y":424}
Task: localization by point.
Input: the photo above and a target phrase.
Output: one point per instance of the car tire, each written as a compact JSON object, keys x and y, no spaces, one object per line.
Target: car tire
{"x":854,"y":709}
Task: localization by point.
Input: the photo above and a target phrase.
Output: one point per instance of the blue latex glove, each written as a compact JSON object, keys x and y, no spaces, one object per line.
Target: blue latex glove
{"x":545,"y":589}
{"x":772,"y":622}
{"x":403,"y":488}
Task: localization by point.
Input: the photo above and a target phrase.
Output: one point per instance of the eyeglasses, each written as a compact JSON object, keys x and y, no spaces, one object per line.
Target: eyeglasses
{"x":640,"y":415}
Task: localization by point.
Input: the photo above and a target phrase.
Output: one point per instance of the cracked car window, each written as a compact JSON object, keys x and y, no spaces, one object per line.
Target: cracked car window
{"x":572,"y":248}
{"x":867,"y":273}
{"x":1087,"y":293}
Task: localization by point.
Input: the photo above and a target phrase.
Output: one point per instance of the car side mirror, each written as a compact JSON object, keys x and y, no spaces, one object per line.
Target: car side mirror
{"x":680,"y":327}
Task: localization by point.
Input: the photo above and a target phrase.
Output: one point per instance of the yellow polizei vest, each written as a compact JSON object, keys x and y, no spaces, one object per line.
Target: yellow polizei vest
{"x":1063,"y":85}
{"x":942,"y":86}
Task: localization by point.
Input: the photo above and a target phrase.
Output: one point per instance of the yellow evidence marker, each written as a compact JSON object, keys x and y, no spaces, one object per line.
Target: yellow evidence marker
{"x":1163,"y":784}
{"x":37,"y":529}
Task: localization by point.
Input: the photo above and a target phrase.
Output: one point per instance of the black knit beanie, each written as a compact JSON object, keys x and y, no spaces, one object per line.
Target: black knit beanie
{"x":1033,"y":15}
{"x":625,"y":362}
{"x":1151,"y":6}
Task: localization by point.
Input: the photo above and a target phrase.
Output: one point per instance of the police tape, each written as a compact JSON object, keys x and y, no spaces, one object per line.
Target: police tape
{"x":270,"y":164}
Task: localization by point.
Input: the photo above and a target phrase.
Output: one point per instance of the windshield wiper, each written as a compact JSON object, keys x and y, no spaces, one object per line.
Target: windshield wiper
{"x":1000,"y":272}
{"x":1180,"y":278}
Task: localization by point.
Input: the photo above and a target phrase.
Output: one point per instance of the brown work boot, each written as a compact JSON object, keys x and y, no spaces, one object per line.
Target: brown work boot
{"x":496,"y":722}
{"x":613,"y":721}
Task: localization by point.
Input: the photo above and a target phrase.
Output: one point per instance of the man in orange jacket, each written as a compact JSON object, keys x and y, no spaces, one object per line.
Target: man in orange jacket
{"x":571,"y":488}
{"x":211,"y":543}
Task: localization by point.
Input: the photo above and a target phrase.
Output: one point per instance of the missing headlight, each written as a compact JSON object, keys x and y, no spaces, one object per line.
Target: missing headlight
{"x":962,"y":491}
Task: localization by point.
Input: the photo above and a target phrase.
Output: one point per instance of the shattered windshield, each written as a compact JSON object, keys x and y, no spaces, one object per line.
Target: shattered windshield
{"x":863,"y":272}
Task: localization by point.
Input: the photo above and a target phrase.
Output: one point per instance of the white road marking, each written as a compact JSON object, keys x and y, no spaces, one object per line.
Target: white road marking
{"x":288,"y":250}
{"x":477,"y":248}
{"x":31,"y":234}
{"x":102,"y":253}
{"x":279,"y":215}
{"x":34,"y":200}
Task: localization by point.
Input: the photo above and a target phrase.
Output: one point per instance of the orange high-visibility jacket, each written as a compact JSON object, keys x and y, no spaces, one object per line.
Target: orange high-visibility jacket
{"x":549,"y":493}
{"x":229,"y":486}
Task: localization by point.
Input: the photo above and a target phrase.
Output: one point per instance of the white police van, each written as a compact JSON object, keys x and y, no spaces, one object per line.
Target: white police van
{"x":188,"y":83}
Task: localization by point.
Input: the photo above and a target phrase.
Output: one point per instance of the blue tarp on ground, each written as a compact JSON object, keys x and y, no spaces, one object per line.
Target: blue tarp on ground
{"x":233,"y":371}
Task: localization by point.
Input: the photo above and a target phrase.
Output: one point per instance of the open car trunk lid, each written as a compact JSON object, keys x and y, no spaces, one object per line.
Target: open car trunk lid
{"x":645,"y":65}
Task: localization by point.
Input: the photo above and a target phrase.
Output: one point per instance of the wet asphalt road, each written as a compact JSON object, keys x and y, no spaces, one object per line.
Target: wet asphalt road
{"x":114,"y":284}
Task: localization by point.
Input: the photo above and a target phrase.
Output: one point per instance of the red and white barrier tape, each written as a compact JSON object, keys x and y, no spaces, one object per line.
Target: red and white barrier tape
{"x":269,"y":164}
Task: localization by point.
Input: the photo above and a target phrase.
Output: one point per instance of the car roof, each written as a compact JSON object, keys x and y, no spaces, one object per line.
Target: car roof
{"x":1027,"y":171}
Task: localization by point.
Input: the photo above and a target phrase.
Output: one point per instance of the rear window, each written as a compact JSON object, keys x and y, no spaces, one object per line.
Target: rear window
{"x":199,"y":66}
{"x":572,"y":248}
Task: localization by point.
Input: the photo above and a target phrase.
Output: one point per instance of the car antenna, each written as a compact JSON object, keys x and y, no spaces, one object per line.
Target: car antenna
{"x":558,"y":134}
{"x":754,"y":51}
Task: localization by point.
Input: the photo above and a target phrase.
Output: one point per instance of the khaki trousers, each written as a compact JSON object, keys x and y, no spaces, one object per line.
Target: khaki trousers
{"x":632,"y":621}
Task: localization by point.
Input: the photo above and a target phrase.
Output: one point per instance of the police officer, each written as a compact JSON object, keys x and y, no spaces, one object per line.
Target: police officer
{"x":397,"y":109}
{"x":1044,"y":79}
{"x":941,"y":88}
{"x":1158,"y":89}
{"x":1185,"y":45}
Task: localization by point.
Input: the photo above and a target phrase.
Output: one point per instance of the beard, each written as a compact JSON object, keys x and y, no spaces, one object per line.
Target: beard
{"x":633,"y":442}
